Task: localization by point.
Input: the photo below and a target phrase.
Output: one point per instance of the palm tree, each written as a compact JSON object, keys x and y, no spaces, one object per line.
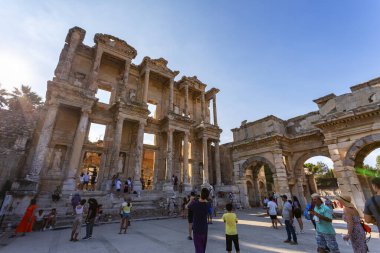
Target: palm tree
{"x":24,"y":99}
{"x":3,"y":99}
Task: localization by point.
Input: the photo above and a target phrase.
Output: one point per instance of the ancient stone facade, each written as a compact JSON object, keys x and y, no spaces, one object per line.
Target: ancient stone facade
{"x":186,"y":140}
{"x":346,"y":128}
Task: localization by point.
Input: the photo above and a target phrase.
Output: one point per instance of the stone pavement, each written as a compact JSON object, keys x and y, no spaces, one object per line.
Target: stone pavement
{"x":169,"y":235}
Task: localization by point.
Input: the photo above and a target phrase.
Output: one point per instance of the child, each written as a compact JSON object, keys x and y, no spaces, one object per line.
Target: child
{"x":50,"y":219}
{"x":231,"y":233}
{"x":39,"y":223}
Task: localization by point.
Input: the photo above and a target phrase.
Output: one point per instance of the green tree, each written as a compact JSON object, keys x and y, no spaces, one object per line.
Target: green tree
{"x":316,"y":169}
{"x":378,"y":162}
{"x":24,"y":98}
{"x":3,"y":97}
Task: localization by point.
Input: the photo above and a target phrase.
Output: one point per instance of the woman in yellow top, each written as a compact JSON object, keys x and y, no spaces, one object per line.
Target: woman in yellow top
{"x":231,"y":233}
{"x":125,"y":210}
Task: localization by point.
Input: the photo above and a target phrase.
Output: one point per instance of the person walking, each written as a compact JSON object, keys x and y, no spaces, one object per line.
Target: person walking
{"x":77,"y":221}
{"x":27,"y":221}
{"x":230,"y":219}
{"x":86,"y":179}
{"x":200,"y":209}
{"x":90,"y":218}
{"x":272,"y":211}
{"x":190,"y":216}
{"x":355,"y":229}
{"x":125,"y":211}
{"x":298,"y":213}
{"x":372,"y":205}
{"x":325,"y":231}
{"x":287,"y":214}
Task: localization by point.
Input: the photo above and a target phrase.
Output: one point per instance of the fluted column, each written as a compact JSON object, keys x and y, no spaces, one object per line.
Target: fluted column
{"x":203,"y":107}
{"x":125,"y":78}
{"x":171,"y":90}
{"x":80,"y":135}
{"x":74,"y":42}
{"x":186,"y":158}
{"x":214,"y":110}
{"x":118,"y":133}
{"x":217,"y":164}
{"x":138,"y":158}
{"x":169,"y":156}
{"x":187,"y":100}
{"x":205,"y":161}
{"x":43,"y":142}
{"x":95,"y":68}
{"x":146,"y":85}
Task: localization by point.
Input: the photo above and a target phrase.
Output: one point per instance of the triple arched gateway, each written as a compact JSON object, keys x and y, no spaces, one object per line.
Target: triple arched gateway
{"x":346,"y":128}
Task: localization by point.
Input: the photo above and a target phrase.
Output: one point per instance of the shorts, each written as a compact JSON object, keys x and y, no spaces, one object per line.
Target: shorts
{"x":190,"y":218}
{"x":125,"y":215}
{"x":273,"y":217}
{"x":229,"y":240}
{"x":297,"y":213}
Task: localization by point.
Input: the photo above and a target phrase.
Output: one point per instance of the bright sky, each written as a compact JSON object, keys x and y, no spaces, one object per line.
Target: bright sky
{"x":266,"y":57}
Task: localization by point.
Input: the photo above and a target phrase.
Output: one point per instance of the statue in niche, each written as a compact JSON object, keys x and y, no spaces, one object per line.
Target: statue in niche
{"x":132,"y":95}
{"x":57,"y":160}
{"x":120,"y":164}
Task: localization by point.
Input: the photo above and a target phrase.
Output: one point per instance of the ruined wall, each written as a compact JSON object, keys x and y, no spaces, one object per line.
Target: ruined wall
{"x":16,"y":130}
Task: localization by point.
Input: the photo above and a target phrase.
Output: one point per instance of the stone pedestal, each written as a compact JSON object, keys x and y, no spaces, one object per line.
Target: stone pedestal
{"x":168,"y":187}
{"x":69,"y":185}
{"x":137,"y":186}
{"x":187,"y":187}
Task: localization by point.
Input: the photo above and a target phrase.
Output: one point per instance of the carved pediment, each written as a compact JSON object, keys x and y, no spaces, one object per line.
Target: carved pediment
{"x":193,"y":82}
{"x":116,"y":44}
{"x":158,"y":65}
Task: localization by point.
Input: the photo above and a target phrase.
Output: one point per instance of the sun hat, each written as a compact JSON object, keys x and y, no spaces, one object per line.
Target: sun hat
{"x":345,"y":200}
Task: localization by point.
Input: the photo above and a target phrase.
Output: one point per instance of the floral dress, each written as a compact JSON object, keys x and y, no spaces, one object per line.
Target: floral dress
{"x":356,"y":230}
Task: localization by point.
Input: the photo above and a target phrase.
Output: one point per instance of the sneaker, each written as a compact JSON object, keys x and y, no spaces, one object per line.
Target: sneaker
{"x":85,"y":238}
{"x":293,"y":243}
{"x":287,"y":241}
{"x":302,"y":232}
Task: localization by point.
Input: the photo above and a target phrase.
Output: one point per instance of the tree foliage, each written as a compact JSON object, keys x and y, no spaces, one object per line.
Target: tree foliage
{"x":3,"y":97}
{"x":23,"y":98}
{"x":317,"y":169}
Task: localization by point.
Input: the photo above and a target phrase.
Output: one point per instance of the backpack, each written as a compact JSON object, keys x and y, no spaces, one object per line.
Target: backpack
{"x":367,"y":229}
{"x":306,"y":212}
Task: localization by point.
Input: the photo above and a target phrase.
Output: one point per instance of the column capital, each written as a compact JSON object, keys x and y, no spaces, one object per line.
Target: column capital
{"x":86,"y":110}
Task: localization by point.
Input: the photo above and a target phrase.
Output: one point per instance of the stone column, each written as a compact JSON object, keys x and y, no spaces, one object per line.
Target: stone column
{"x":139,"y":156}
{"x":74,"y":42}
{"x":282,"y":186}
{"x":205,"y":161}
{"x":95,"y":68}
{"x":118,"y":133}
{"x":348,"y":181}
{"x":169,"y":161}
{"x":187,"y":100}
{"x":171,"y":90}
{"x":203,"y":107}
{"x":157,"y":159}
{"x":70,"y":182}
{"x":125,"y":79}
{"x":42,"y":145}
{"x":217,"y":164}
{"x":146,"y":86}
{"x":214,"y":110}
{"x":186,"y":183}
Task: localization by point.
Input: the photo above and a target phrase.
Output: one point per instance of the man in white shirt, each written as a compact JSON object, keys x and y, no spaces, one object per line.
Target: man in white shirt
{"x":272,"y":211}
{"x":287,"y":214}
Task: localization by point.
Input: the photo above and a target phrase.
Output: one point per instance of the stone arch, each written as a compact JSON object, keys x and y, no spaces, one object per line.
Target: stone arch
{"x":261,"y":159}
{"x":360,"y":149}
{"x":299,"y":164}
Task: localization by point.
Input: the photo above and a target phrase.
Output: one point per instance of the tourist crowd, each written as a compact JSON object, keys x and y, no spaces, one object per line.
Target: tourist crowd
{"x":199,"y":210}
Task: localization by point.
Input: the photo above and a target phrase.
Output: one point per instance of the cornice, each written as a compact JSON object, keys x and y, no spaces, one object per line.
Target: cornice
{"x":115,"y":44}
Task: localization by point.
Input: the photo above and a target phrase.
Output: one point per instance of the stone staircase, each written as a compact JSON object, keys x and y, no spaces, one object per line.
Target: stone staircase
{"x":146,"y":204}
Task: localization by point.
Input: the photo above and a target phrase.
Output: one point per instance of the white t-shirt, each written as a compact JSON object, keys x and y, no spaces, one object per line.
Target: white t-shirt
{"x":118,"y":184}
{"x":79,"y":209}
{"x":272,"y":208}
